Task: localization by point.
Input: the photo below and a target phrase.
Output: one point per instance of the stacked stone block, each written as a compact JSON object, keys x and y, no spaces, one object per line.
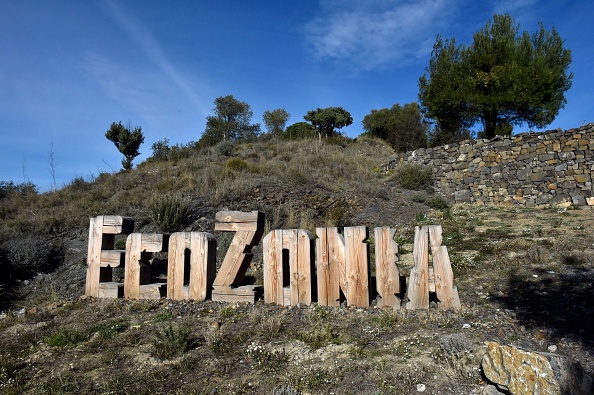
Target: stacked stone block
{"x":550,"y":168}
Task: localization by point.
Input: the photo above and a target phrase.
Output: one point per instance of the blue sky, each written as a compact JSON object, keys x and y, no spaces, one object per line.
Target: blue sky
{"x":70,"y":68}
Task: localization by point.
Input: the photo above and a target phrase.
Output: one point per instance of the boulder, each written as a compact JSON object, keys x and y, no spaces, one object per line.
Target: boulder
{"x":529,"y":373}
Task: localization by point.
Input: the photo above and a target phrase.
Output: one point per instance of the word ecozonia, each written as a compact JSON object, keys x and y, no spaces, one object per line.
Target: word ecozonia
{"x":298,"y":268}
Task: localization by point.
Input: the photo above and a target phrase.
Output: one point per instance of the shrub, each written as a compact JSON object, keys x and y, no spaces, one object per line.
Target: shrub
{"x":23,"y":189}
{"x":170,"y":212}
{"x":235,"y":165}
{"x":161,"y":150}
{"x":437,"y":202}
{"x":30,"y":254}
{"x":455,"y":344}
{"x":413,"y":177}
{"x":225,"y":148}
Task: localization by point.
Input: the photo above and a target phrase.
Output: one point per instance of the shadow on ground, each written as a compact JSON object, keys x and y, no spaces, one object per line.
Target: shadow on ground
{"x":560,"y":303}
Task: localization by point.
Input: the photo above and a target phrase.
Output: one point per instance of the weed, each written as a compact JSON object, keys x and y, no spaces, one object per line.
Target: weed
{"x":225,"y":148}
{"x":163,"y":317}
{"x":270,"y":328}
{"x":229,"y":314}
{"x":419,"y":198}
{"x":170,"y":212}
{"x":65,"y":337}
{"x":320,"y":335}
{"x":386,"y":319}
{"x":110,"y":329}
{"x":265,"y":359}
{"x":217,"y":343}
{"x":173,"y":341}
{"x":455,"y":350}
{"x":312,"y":378}
{"x":420,"y":217}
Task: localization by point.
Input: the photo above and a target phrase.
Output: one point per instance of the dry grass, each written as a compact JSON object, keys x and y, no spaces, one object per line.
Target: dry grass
{"x":518,"y":272}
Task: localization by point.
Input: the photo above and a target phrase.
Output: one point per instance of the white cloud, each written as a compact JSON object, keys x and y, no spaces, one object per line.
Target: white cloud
{"x":143,"y":37}
{"x":372,"y":34}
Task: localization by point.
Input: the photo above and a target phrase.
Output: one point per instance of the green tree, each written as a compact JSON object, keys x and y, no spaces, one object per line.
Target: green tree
{"x":231,"y":122}
{"x":326,"y":120}
{"x":502,"y":79}
{"x":126,"y":141}
{"x":299,"y":131}
{"x":402,"y":127}
{"x":275,"y":121}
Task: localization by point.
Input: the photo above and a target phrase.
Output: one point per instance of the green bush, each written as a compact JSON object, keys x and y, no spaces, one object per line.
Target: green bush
{"x":170,"y":212}
{"x":437,"y":202}
{"x":161,"y":150}
{"x":235,"y":165}
{"x":413,"y":177}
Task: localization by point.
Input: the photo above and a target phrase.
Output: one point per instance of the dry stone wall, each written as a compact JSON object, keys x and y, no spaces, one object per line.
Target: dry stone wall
{"x":555,"y":167}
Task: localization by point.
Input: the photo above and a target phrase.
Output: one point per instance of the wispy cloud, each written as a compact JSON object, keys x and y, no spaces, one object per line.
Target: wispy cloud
{"x":143,"y":37}
{"x":372,"y":34}
{"x":512,"y":6}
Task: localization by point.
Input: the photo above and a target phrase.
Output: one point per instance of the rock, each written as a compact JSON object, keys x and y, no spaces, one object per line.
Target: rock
{"x":552,"y":348}
{"x":528,"y":373}
{"x":490,"y":390}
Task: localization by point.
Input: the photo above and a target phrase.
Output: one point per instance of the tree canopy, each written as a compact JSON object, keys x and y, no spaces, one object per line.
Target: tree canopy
{"x":275,"y":121}
{"x":231,"y":122}
{"x":299,"y":131}
{"x":402,"y":127}
{"x":503,"y":78}
{"x":127,"y":141}
{"x":326,"y":120}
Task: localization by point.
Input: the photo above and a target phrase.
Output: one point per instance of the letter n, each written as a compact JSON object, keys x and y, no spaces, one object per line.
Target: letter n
{"x":292,"y":248}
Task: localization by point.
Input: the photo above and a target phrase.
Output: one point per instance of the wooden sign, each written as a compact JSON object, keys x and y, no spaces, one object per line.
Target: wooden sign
{"x":298,"y":269}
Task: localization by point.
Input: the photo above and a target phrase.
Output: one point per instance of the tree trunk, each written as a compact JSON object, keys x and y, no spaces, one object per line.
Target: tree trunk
{"x":490,"y":124}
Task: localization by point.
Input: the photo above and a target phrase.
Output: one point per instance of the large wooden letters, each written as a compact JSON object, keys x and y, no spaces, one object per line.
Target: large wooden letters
{"x":248,"y":228}
{"x":437,"y":278}
{"x":137,"y":277}
{"x":202,"y":248}
{"x":101,"y":257}
{"x":356,"y":262}
{"x":342,"y":267}
{"x":331,"y":272}
{"x":388,"y":278}
{"x":296,"y":246}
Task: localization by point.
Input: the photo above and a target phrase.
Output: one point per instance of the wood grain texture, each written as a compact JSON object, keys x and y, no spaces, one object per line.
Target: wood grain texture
{"x":386,"y":269}
{"x":418,"y":289}
{"x":357,"y":266}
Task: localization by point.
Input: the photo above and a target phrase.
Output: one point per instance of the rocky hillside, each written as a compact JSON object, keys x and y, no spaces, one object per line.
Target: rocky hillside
{"x":524,"y":277}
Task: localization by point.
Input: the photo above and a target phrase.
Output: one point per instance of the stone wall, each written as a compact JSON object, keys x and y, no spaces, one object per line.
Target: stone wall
{"x":533,"y":169}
